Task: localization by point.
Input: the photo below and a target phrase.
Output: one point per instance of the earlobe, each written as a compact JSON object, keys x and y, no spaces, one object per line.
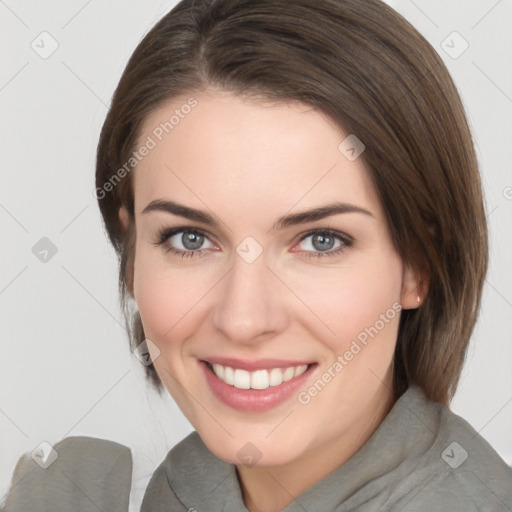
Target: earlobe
{"x":414,"y":287}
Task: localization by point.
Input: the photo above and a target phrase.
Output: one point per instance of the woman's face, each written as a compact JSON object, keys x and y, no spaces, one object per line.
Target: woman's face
{"x":268,"y":287}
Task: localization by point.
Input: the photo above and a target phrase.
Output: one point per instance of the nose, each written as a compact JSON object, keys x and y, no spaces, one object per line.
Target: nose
{"x":250,"y":305}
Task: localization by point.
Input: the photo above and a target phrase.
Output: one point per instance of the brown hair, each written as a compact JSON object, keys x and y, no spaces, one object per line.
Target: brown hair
{"x":366,"y":68}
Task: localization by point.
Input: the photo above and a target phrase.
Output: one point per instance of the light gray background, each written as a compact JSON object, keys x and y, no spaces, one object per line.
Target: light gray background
{"x":65,"y":367}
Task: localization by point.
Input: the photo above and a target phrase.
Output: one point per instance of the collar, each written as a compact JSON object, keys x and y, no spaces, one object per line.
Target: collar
{"x":202,"y":482}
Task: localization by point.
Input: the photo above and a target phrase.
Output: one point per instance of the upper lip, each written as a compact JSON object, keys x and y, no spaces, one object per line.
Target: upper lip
{"x":254,"y":364}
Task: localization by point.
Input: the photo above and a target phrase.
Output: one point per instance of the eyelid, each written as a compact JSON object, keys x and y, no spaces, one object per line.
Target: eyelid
{"x":166,"y":233}
{"x":331,"y":231}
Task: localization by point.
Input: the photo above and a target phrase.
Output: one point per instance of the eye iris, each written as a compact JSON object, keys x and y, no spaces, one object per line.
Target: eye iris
{"x":192,"y":241}
{"x":326,"y":242}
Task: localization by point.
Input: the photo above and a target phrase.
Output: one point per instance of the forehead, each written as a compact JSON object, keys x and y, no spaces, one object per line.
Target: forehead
{"x":227,"y":149}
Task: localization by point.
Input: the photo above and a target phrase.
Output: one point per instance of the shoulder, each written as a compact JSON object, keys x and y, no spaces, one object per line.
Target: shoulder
{"x":460,"y":470}
{"x":473,"y":465}
{"x":77,"y":473}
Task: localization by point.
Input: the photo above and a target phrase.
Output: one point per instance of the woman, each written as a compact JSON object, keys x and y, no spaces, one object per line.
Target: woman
{"x":294,"y":196}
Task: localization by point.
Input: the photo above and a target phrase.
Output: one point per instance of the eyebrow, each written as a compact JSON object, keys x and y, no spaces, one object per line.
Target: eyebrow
{"x":283,"y":222}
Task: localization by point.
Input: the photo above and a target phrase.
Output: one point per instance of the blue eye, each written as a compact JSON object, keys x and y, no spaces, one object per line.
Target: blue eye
{"x":190,"y":239}
{"x":189,"y":242}
{"x":325,"y":243}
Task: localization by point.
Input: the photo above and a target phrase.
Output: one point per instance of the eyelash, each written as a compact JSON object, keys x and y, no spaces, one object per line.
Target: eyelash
{"x":164,"y":234}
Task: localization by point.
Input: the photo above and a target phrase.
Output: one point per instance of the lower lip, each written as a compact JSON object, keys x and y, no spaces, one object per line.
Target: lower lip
{"x":254,"y":400}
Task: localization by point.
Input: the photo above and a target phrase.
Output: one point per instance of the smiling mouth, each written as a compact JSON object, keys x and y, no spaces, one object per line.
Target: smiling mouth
{"x":258,"y":379}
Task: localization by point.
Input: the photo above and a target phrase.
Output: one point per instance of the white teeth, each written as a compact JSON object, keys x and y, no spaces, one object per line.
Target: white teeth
{"x":259,"y":379}
{"x":276,"y":377}
{"x":229,"y":376}
{"x":299,"y":370}
{"x":242,"y":379}
{"x":219,"y":370}
{"x":289,"y":373}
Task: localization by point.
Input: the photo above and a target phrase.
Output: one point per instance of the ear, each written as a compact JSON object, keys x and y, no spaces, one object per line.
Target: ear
{"x":414,"y":286}
{"x":124,"y":217}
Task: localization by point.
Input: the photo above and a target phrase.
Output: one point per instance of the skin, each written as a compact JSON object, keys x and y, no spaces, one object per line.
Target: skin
{"x":249,"y":163}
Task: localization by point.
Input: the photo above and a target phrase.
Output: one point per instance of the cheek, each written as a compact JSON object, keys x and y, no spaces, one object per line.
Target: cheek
{"x":371,"y":331}
{"x":165,"y":297}
{"x":349,"y":303}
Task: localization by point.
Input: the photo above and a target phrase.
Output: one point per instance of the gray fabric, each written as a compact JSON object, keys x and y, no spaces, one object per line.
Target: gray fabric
{"x":405,"y":466}
{"x":86,"y":476}
{"x":400,"y":468}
